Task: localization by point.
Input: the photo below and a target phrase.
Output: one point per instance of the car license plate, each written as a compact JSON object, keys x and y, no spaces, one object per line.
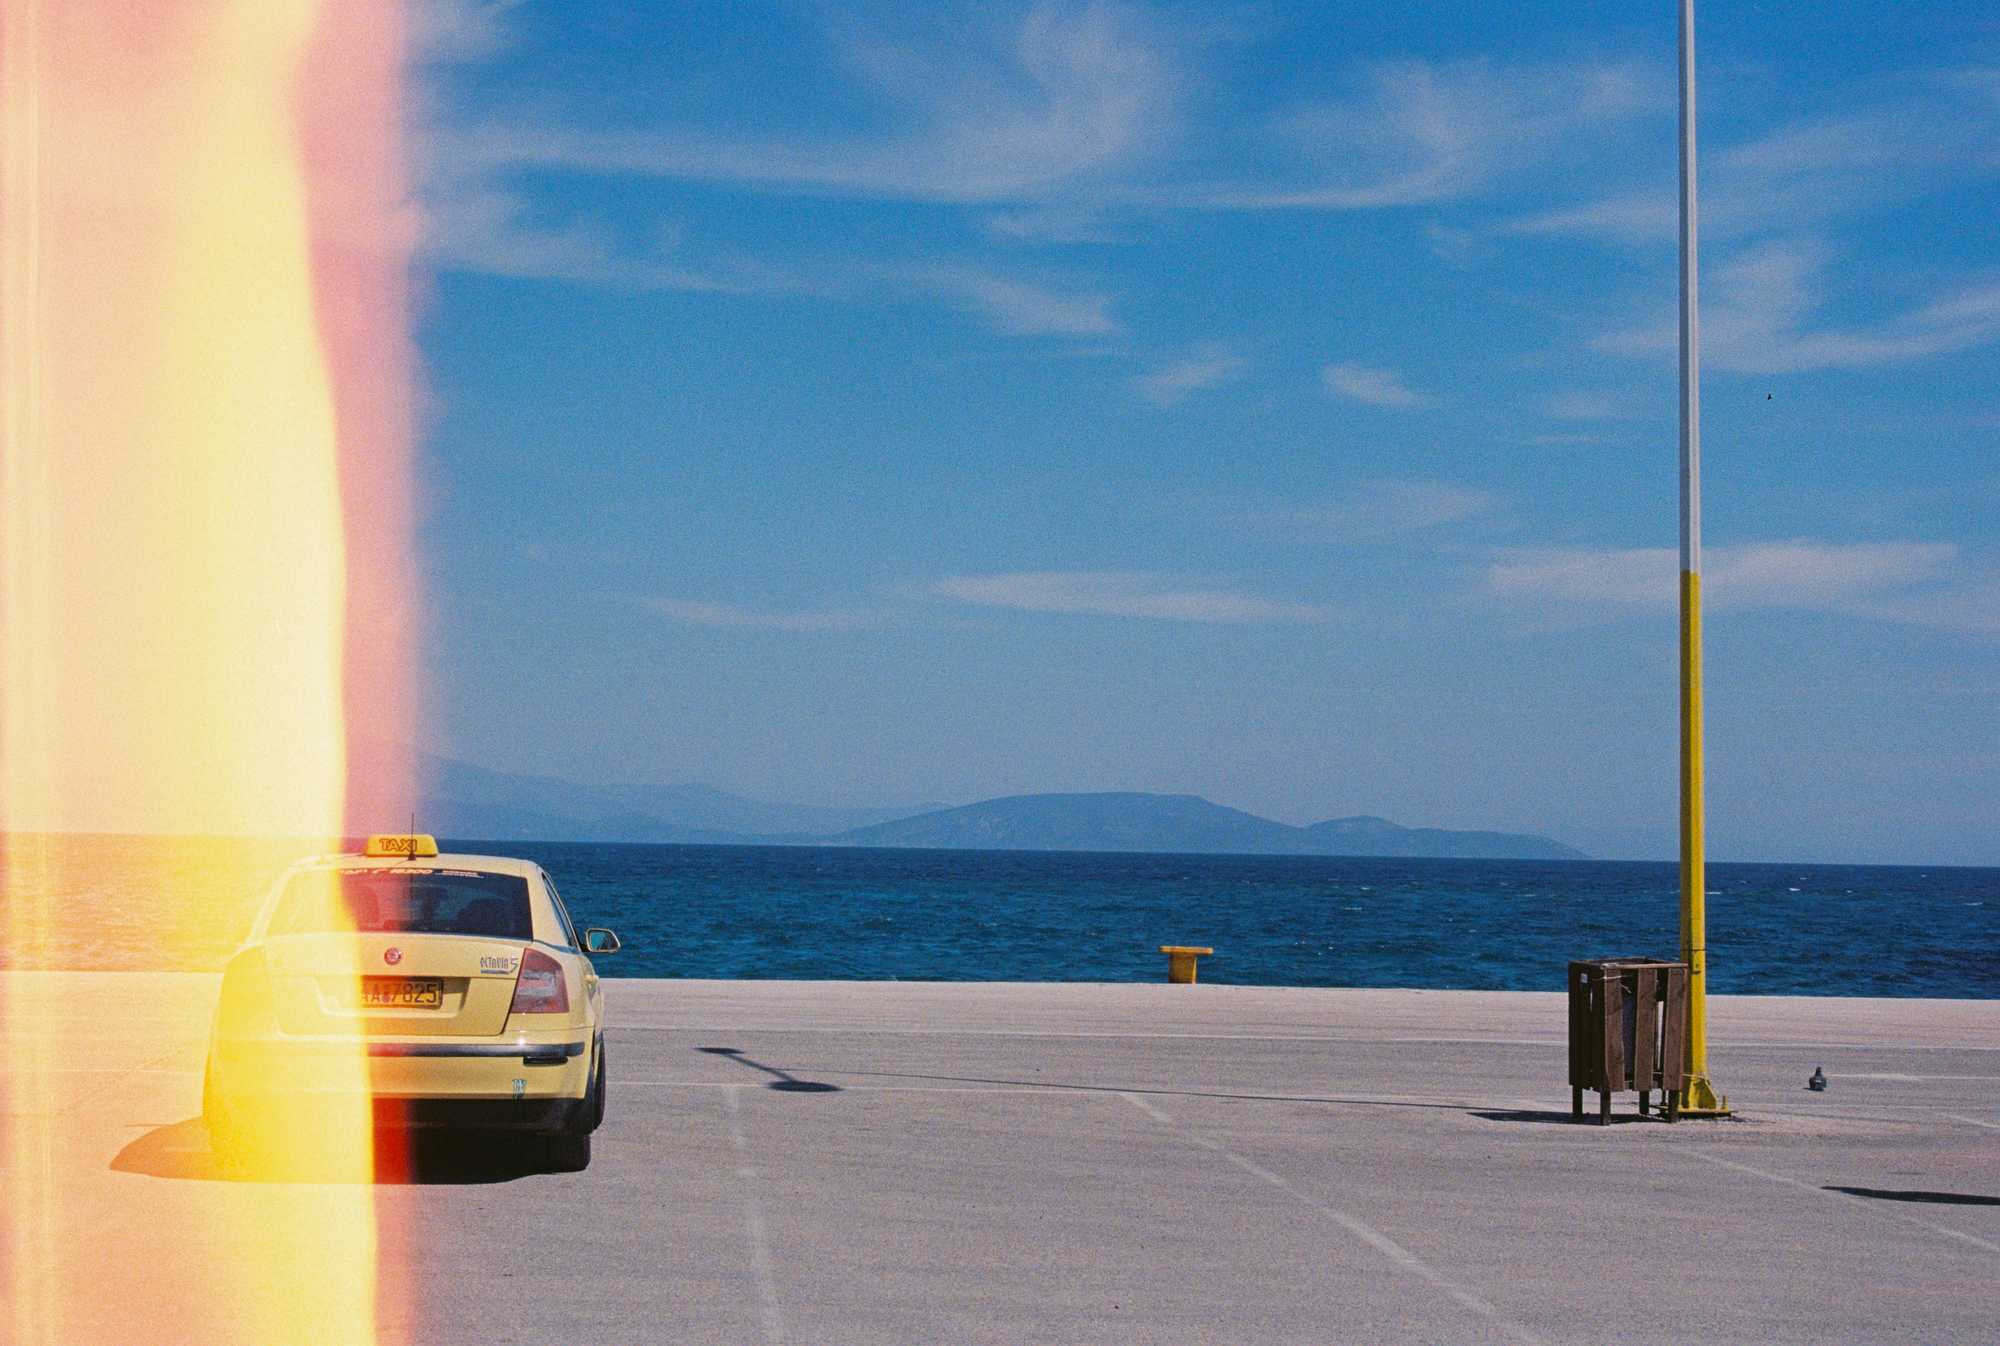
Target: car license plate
{"x":402,"y":992}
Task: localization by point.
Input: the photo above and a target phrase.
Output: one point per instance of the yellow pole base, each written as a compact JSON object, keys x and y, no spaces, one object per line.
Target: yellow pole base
{"x":1181,"y":962}
{"x":1698,"y":1099}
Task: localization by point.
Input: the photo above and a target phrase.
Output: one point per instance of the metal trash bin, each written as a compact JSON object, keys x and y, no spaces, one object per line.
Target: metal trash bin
{"x":1627,"y":1030}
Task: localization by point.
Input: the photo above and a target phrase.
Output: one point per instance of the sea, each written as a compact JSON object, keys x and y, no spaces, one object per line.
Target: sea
{"x":933,"y":915}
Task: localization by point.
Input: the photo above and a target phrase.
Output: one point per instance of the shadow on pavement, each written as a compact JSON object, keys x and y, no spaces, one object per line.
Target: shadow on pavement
{"x":181,"y":1150}
{"x":1931,"y":1198}
{"x":1564,"y":1117}
{"x":785,"y":1083}
{"x":1062,"y":1086}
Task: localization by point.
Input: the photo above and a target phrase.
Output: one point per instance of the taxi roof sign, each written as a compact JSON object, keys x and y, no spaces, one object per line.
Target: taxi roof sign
{"x":401,"y":844}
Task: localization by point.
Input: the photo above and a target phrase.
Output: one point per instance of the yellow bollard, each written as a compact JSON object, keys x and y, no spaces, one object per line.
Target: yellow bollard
{"x":1180,"y":962}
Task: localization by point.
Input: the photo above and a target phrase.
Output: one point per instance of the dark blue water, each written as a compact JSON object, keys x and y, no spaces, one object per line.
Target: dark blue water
{"x":724,"y":911}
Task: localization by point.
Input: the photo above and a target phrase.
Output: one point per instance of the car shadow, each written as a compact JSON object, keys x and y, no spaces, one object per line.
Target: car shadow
{"x":181,"y":1150}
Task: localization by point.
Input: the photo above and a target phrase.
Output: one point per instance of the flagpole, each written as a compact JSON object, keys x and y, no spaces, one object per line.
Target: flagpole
{"x":1698,"y":1098}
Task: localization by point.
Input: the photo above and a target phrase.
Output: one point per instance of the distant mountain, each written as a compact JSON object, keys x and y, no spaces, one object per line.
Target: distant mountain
{"x":462,"y":800}
{"x":1085,"y":822}
{"x":1364,"y":835}
{"x":1186,"y":823}
{"x":704,"y":806}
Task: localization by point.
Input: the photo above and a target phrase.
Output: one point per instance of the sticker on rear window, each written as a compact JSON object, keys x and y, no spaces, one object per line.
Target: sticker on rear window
{"x":499,"y":964}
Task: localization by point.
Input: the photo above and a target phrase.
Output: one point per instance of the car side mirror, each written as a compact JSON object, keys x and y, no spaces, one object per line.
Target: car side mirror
{"x":599,"y":940}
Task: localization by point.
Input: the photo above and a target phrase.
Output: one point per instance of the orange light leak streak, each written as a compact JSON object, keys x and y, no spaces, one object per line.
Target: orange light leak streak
{"x":205,"y":603}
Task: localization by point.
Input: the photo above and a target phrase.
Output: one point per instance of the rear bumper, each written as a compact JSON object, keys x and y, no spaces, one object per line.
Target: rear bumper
{"x":533,"y":1054}
{"x":477,"y":1114}
{"x":510,"y":1075}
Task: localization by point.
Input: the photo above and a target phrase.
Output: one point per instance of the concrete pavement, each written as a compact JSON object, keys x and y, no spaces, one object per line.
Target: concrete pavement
{"x":898,"y":1162}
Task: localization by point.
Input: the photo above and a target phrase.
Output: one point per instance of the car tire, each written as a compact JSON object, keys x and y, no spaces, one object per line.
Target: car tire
{"x":567,"y":1153}
{"x":211,"y":1098}
{"x":595,"y":1110}
{"x":224,"y":1140}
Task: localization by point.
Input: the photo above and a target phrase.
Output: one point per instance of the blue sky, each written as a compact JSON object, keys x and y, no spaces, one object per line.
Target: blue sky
{"x":880,"y":404}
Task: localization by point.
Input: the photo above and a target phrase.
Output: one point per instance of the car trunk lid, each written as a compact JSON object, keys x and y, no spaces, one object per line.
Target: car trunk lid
{"x":392,"y":984}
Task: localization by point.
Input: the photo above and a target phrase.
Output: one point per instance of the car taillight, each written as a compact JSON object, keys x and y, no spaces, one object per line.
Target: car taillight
{"x":541,"y":988}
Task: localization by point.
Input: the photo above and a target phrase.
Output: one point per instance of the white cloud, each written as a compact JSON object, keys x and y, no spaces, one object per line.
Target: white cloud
{"x":1578,"y":404}
{"x":981,"y":111}
{"x":694,"y":613}
{"x":1757,"y":309}
{"x":1071,"y":106}
{"x":1456,"y":246}
{"x":1423,"y":131}
{"x":977,"y":113}
{"x":1014,"y":306}
{"x":480,"y":228}
{"x":1373,"y":386}
{"x":1120,"y":593}
{"x":1887,"y":579}
{"x":1809,"y":172}
{"x":1048,"y":117}
{"x":459,"y":30}
{"x":1970,"y":606}
{"x":1634,"y":217}
{"x":1048,"y":224}
{"x":491,"y":231}
{"x":1208,"y":367}
{"x":1804,"y":573}
{"x":1372,"y":510}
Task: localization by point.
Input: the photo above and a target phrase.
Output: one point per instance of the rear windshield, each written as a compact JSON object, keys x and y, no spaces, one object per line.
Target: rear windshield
{"x":405,"y":900}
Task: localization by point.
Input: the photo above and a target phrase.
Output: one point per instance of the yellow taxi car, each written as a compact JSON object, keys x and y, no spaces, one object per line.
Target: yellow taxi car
{"x":459,"y":978}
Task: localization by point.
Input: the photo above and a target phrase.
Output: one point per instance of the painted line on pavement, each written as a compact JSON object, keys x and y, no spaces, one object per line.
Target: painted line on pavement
{"x":753,"y":1219}
{"x":1147,"y":1108}
{"x":1893,"y":1075}
{"x":1367,"y":1233}
{"x":864,"y":1088}
{"x":873,"y":1032}
{"x":1554,"y":1040}
{"x":121,"y":1070}
{"x":1865,"y":1203}
{"x":1972,"y":1121}
{"x":1054,"y":1090}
